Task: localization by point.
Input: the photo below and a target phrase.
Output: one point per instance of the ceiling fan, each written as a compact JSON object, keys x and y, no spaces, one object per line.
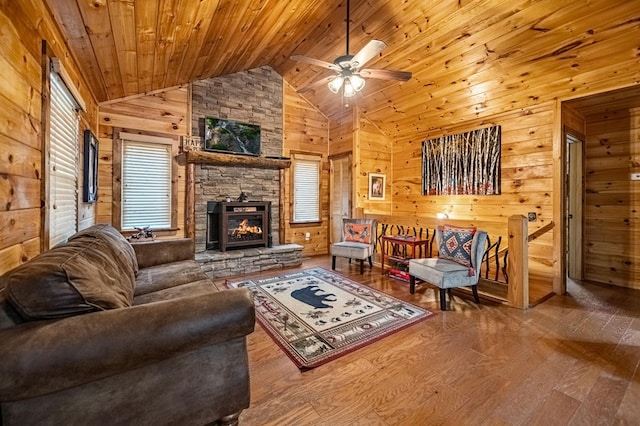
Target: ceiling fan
{"x":350,"y":76}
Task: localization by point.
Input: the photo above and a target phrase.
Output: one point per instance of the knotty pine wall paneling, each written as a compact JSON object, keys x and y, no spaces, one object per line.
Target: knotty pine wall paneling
{"x":612,"y":199}
{"x":341,"y":133}
{"x":374,"y":155}
{"x":573,"y":121}
{"x":24,"y":26}
{"x":341,"y":142}
{"x":162,"y":113}
{"x":527,"y":183}
{"x":306,"y":131}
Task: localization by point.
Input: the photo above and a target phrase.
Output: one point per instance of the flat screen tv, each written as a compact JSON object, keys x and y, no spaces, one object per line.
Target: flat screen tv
{"x":231,"y":136}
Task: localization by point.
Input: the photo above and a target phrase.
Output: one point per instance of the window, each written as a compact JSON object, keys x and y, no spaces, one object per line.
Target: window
{"x":62,"y":178}
{"x":146,"y":182}
{"x":306,"y":188}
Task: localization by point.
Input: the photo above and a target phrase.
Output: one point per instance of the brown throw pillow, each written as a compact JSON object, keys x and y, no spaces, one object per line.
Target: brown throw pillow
{"x":81,"y":276}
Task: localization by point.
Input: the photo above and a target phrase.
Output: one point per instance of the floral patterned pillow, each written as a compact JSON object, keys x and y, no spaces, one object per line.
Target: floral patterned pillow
{"x":357,"y":232}
{"x":455,"y":244}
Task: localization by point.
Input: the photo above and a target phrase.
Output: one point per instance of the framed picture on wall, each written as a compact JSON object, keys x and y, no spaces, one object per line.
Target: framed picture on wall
{"x":90,"y":189}
{"x":377,"y":183}
{"x":462,"y":163}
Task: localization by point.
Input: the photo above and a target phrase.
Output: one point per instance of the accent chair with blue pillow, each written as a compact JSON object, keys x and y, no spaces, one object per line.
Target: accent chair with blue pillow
{"x":460,"y":252}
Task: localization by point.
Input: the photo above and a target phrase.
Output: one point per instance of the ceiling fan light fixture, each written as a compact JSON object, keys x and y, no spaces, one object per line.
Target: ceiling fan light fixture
{"x":348,"y":90}
{"x":357,"y":82}
{"x":336,"y":84}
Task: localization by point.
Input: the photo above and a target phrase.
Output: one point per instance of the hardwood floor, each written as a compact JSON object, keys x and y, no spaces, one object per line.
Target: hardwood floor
{"x":573,"y":359}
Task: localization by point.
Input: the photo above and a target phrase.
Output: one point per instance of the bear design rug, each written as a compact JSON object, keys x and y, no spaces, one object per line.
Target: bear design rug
{"x":316,"y":315}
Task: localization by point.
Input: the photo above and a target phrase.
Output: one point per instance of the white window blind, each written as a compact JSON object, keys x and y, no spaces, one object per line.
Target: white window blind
{"x":63,"y":163}
{"x":146,"y":185}
{"x":306,"y":189}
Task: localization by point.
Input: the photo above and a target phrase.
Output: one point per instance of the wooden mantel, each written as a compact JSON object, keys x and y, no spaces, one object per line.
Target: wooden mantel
{"x":214,"y":158}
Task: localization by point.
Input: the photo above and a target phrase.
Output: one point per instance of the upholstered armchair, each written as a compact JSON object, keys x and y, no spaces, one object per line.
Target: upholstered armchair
{"x":358,"y":241}
{"x":460,"y":252}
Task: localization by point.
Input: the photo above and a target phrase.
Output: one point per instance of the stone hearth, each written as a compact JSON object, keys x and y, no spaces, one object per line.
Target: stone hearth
{"x":217,"y":264}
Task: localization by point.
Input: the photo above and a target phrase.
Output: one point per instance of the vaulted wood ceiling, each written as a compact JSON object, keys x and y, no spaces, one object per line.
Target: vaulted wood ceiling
{"x":479,"y":55}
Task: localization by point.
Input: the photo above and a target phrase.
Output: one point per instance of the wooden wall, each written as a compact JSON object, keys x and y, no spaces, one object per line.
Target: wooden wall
{"x":527,"y":184}
{"x":341,"y":128}
{"x":306,"y":131}
{"x":372,"y":154}
{"x":24,"y":26}
{"x":612,"y":199}
{"x":163,"y":113}
{"x":341,"y":143}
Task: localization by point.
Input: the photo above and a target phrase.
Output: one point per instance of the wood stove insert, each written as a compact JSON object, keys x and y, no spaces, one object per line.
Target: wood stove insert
{"x":232,"y":225}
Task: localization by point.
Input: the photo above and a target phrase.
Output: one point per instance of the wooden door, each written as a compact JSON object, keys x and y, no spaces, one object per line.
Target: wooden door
{"x":340,"y":191}
{"x":575,"y":190}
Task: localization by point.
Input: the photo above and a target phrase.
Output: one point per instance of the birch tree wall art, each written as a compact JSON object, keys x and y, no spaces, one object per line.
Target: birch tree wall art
{"x":464,"y":163}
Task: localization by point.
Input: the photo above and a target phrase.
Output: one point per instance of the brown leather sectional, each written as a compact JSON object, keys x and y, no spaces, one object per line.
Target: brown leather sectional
{"x":100,"y":331}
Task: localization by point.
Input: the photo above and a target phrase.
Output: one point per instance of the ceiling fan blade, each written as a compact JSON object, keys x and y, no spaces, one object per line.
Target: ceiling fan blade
{"x":315,"y":85}
{"x":385,"y":74}
{"x":316,"y":62}
{"x":367,"y":53}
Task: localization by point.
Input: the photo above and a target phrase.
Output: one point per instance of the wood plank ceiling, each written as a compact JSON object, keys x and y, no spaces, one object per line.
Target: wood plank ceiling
{"x":474,"y":54}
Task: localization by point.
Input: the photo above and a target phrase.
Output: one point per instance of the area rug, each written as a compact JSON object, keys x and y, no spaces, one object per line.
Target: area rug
{"x":316,"y":315}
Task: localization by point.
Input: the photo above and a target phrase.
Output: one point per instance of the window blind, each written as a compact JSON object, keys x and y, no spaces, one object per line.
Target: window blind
{"x":63,"y":163}
{"x":146,"y":185}
{"x":306,"y":190}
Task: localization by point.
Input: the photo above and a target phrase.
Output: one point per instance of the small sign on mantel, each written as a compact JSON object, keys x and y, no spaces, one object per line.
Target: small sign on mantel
{"x":190,"y":143}
{"x":245,"y":209}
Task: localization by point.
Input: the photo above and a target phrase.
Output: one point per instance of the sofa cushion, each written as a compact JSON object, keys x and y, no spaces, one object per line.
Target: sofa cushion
{"x":200,"y":287}
{"x":9,"y":317}
{"x":119,"y":246}
{"x":160,"y":277}
{"x":85,"y":274}
{"x":455,"y":244}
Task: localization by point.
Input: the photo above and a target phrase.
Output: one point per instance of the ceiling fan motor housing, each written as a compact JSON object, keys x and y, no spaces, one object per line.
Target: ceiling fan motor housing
{"x":344,"y":62}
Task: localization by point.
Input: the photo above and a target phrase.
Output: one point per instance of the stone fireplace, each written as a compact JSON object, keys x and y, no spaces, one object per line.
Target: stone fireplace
{"x":253,"y":97}
{"x":217,"y":183}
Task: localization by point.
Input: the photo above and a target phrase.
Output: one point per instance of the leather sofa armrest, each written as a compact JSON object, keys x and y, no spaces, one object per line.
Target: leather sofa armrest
{"x":46,"y":356}
{"x":151,"y":253}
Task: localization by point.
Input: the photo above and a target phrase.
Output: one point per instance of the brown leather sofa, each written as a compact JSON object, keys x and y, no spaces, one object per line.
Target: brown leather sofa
{"x":99,"y":331}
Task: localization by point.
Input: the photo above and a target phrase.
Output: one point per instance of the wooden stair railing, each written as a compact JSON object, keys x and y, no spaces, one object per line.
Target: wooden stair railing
{"x":512,"y":260}
{"x":537,"y":234}
{"x":518,"y":259}
{"x":487,"y":256}
{"x":493,"y":252}
{"x":394,"y":229}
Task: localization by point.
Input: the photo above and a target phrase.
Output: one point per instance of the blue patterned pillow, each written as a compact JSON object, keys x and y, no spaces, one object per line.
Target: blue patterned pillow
{"x":455,"y":244}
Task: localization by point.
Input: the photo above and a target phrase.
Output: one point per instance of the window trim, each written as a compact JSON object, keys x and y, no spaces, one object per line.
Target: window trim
{"x":116,"y":207}
{"x":315,"y":158}
{"x":51,"y":64}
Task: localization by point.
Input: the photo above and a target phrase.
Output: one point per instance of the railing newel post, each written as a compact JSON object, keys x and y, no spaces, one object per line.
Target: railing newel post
{"x":518,"y":262}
